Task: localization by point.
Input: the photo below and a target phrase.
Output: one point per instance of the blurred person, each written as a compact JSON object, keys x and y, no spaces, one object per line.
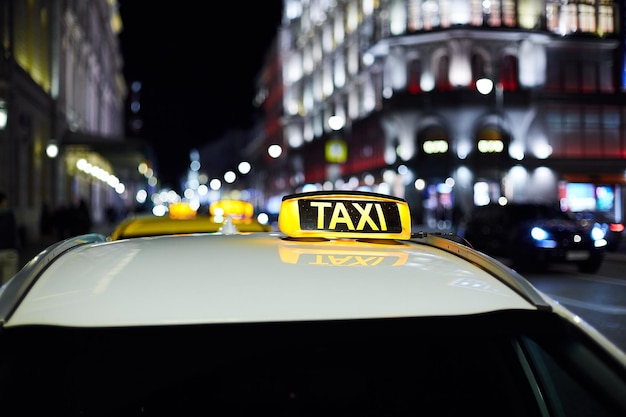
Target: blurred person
{"x":9,"y":240}
{"x":62,"y":219}
{"x":46,"y":220}
{"x":80,"y":221}
{"x":111,"y":214}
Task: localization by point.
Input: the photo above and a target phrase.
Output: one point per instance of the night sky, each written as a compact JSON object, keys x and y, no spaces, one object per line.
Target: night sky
{"x":197,"y":62}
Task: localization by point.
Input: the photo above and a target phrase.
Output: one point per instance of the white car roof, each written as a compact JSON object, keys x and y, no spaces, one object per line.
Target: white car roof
{"x":255,"y":277}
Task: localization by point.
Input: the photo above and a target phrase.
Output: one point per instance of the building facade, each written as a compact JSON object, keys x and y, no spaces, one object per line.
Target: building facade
{"x":62,"y":100}
{"x":455,"y":103}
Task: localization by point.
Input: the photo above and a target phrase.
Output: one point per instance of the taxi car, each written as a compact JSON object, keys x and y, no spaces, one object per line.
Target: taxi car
{"x":343,"y":311}
{"x":182,"y":219}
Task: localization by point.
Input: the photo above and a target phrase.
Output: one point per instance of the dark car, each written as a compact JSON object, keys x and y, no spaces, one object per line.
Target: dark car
{"x":612,"y":229}
{"x":534,"y":235}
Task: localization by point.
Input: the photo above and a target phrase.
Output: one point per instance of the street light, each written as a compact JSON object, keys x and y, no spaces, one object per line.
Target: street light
{"x":484,"y":86}
{"x":52,"y":149}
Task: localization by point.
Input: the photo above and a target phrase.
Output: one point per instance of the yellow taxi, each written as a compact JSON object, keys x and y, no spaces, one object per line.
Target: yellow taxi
{"x":343,"y":311}
{"x":182,"y":219}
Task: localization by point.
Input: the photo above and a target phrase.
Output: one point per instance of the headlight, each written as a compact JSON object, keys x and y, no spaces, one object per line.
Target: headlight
{"x":542,"y":238}
{"x":597,"y":232}
{"x":538,"y":233}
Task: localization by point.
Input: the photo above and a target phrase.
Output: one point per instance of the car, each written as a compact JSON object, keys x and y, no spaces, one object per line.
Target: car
{"x":342,"y":311}
{"x":183,"y":218}
{"x":533,"y":236}
{"x":613,"y":229}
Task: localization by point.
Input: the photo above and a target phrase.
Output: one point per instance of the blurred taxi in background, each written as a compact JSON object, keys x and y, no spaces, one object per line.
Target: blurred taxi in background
{"x":182,"y":219}
{"x":341,"y":312}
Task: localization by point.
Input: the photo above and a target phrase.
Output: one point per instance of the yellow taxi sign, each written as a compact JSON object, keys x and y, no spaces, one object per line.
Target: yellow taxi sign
{"x":235,"y":208}
{"x":345,"y":214}
{"x":181,"y":211}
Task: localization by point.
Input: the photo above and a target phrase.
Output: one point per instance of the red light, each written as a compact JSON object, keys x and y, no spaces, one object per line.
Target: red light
{"x":616,"y":227}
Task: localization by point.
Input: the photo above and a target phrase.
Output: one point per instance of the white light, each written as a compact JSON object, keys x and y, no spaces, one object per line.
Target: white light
{"x":368,"y":59}
{"x":193,"y":183}
{"x":490,"y":146}
{"x":538,"y":233}
{"x":52,"y":150}
{"x":336,"y":122}
{"x":484,"y":85}
{"x":542,"y":150}
{"x":435,"y":146}
{"x":274,"y":151}
{"x":230,"y":177}
{"x":244,"y":167}
{"x":142,"y":168}
{"x":194,"y":166}
{"x":159,"y":210}
{"x":215,"y":184}
{"x":263,"y":218}
{"x":4,"y":115}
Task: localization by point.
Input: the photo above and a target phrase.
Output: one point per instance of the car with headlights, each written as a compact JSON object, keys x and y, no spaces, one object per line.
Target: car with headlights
{"x":182,"y":218}
{"x":534,"y":236}
{"x":613,"y":230}
{"x":342,"y":311}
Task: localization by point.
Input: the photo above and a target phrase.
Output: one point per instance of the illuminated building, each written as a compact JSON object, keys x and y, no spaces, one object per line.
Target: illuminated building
{"x":62,"y":101}
{"x":460,"y":102}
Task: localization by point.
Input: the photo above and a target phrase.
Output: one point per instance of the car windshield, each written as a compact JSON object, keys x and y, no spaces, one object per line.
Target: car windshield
{"x":474,"y":365}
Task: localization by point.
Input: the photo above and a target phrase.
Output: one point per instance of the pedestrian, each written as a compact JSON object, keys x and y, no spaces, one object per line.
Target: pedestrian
{"x":62,"y":218}
{"x":46,"y":220}
{"x":9,"y":240}
{"x":81,"y":219}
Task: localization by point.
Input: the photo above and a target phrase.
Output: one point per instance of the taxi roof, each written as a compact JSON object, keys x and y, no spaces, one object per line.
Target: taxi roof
{"x":254,"y":277}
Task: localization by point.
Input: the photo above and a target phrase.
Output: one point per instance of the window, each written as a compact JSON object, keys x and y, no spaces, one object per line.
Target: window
{"x":508,"y":73}
{"x":415,"y":74}
{"x":443,"y":70}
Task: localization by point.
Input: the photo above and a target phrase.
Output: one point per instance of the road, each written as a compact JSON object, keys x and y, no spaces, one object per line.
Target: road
{"x":599,"y":299}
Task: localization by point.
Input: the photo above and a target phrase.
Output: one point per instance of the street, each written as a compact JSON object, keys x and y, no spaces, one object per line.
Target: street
{"x":599,"y":299}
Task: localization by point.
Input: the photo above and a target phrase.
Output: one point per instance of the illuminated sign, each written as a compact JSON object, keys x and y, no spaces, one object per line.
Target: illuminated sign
{"x":345,"y":215}
{"x":235,"y":208}
{"x":336,"y":151}
{"x":181,"y":211}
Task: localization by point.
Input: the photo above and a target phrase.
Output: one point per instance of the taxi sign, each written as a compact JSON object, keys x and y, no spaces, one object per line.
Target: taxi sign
{"x":181,"y":211}
{"x":345,"y":214}
{"x":235,"y":208}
